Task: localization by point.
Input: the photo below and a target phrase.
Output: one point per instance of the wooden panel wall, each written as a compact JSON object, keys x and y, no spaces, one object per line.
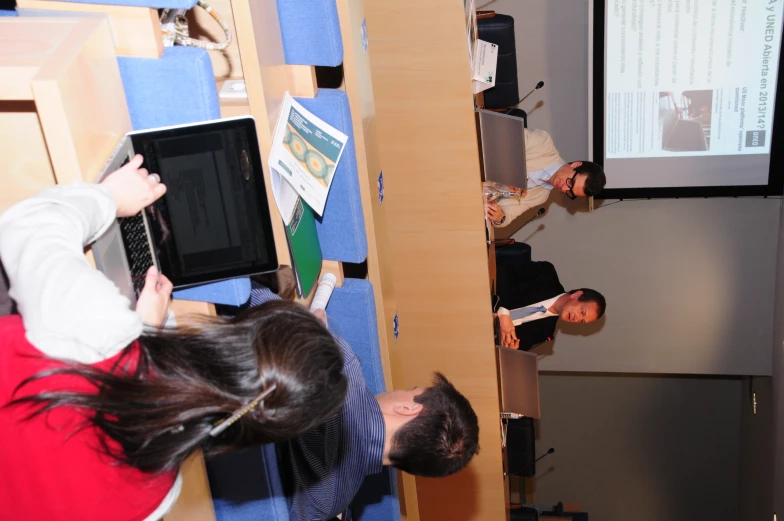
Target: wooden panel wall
{"x":429,"y":152}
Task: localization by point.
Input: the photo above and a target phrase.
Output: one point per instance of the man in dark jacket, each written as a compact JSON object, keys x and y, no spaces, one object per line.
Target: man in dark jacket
{"x":532,"y":300}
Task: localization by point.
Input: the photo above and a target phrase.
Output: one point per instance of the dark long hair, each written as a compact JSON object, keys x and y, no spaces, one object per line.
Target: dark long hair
{"x":161,"y":409}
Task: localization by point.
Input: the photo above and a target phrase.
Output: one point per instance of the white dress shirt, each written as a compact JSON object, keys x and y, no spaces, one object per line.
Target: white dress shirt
{"x":547,"y":304}
{"x":542,"y":177}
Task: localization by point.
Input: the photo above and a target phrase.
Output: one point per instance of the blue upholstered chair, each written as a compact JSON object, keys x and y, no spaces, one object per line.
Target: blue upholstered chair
{"x":177,"y":88}
{"x":246,"y":486}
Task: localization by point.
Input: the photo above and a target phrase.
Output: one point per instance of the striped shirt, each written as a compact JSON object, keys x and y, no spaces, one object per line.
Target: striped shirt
{"x":324,"y":468}
{"x":259,"y":294}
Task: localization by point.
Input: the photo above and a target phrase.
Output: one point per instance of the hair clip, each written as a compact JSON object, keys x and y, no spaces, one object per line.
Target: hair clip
{"x":222,"y":425}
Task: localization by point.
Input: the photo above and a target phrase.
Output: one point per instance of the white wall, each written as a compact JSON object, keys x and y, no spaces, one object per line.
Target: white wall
{"x":689,"y":284}
{"x":551,"y":36}
{"x":642,"y":448}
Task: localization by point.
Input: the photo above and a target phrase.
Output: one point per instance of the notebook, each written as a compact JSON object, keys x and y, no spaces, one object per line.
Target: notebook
{"x":304,"y":247}
{"x":213,"y":223}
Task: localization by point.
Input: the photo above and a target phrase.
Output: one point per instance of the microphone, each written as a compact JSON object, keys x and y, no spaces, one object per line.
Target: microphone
{"x":538,"y":86}
{"x":531,"y":467}
{"x":552,"y":449}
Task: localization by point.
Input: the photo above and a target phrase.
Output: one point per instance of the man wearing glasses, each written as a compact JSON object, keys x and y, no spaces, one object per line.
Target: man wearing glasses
{"x":546,"y":170}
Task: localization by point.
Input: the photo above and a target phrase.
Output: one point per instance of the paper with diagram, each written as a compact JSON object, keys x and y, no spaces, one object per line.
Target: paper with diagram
{"x":305,"y":152}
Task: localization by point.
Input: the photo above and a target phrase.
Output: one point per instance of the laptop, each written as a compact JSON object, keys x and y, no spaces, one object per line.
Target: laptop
{"x":213,"y":223}
{"x":502,"y":139}
{"x":519,"y":382}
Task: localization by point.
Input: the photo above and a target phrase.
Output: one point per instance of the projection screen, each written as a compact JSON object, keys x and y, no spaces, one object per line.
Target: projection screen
{"x":684,"y":96}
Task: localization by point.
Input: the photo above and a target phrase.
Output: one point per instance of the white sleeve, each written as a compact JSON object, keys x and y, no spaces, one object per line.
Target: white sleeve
{"x":70,"y":310}
{"x":502,"y":311}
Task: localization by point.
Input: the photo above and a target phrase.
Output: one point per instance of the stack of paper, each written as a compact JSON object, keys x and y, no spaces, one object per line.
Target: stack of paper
{"x":305,"y":153}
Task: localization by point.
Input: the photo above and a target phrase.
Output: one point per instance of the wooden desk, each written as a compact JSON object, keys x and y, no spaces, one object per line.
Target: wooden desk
{"x":62,"y":104}
{"x":430,"y":156}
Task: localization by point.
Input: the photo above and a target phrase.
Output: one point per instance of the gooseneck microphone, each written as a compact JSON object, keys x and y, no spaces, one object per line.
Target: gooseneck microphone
{"x":552,"y":449}
{"x":538,"y":86}
{"x":532,"y":466}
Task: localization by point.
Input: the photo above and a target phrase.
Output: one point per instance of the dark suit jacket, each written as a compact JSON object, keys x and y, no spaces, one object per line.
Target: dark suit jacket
{"x":520,"y":283}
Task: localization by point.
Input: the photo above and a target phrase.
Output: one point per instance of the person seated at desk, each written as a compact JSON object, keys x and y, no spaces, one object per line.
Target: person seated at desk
{"x":431,"y":432}
{"x":546,"y":170}
{"x":533,"y":300}
{"x":99,"y":404}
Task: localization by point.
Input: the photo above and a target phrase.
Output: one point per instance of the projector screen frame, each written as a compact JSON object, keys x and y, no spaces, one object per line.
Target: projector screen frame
{"x":596,"y":117}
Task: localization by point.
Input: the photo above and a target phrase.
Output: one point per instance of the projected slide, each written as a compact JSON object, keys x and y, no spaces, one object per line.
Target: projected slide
{"x":686,"y":78}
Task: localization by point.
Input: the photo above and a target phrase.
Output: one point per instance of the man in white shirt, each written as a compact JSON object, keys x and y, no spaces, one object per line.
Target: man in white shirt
{"x":532,"y":301}
{"x":546,"y":170}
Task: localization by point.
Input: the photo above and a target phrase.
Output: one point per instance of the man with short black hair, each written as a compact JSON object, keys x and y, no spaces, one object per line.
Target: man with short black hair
{"x":430,"y":432}
{"x":533,"y":300}
{"x":547,"y":171}
{"x":441,"y":437}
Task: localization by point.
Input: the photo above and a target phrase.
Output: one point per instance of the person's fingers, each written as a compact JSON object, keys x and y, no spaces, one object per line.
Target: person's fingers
{"x":134,"y":163}
{"x":151,"y":279}
{"x":153,"y":179}
{"x":157,"y":191}
{"x":165,"y":286}
{"x":516,"y":344}
{"x":321,"y":315}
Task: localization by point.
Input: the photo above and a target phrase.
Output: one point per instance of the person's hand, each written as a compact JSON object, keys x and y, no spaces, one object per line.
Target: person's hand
{"x":494,"y":212}
{"x":133,"y":188}
{"x":508,"y":335}
{"x":321,"y":315}
{"x":153,"y":302}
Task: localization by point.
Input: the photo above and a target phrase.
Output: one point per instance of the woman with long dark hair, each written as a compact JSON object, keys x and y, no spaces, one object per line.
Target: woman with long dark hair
{"x":99,"y":405}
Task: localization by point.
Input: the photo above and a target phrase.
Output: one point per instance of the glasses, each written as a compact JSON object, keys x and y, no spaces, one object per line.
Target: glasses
{"x":570,"y":186}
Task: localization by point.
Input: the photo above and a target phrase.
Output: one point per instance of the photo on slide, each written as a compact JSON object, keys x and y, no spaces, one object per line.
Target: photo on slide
{"x":685,"y":120}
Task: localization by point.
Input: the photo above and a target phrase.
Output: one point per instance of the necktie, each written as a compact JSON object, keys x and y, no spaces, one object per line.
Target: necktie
{"x":517,"y":314}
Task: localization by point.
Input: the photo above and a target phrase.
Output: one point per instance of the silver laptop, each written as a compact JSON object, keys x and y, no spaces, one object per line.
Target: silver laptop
{"x":214,"y":221}
{"x":503,"y":148}
{"x":519,"y":382}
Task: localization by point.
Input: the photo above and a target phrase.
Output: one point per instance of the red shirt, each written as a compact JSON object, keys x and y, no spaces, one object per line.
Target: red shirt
{"x":50,"y":470}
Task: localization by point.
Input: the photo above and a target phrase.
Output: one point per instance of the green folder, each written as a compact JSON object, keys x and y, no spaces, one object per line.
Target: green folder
{"x":304,"y":247}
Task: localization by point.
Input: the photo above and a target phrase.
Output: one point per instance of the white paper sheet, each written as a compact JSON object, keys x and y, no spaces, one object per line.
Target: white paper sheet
{"x":305,"y":152}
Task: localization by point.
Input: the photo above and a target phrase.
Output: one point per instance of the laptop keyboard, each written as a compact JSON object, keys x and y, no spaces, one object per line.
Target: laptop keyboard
{"x":137,"y":247}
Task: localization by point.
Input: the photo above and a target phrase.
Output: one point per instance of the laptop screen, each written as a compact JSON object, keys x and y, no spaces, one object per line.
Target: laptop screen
{"x":214,"y":221}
